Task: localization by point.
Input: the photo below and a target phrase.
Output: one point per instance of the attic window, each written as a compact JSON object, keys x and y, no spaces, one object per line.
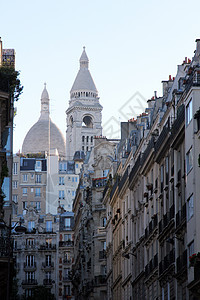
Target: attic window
{"x":87,"y":122}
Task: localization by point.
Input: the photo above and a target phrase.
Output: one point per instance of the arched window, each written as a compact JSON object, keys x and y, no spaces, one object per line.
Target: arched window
{"x":87,"y":122}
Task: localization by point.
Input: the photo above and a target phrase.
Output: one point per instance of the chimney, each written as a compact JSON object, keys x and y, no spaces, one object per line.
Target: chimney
{"x":170,"y":77}
{"x":198,"y":46}
{"x":155,"y":94}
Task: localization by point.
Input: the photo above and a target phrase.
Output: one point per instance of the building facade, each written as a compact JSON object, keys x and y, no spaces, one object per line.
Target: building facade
{"x":44,"y":253}
{"x":152,"y":202}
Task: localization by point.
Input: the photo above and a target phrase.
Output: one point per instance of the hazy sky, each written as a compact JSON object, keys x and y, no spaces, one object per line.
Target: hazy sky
{"x":132,"y":46}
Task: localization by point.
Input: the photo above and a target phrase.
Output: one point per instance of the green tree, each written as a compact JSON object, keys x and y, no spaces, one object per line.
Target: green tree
{"x":10,"y":82}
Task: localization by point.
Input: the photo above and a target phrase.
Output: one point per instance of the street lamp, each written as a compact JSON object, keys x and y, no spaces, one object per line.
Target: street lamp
{"x":127,"y":255}
{"x":19,"y":229}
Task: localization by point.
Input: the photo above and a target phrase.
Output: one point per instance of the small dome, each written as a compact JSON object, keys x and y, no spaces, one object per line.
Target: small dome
{"x":37,"y":138}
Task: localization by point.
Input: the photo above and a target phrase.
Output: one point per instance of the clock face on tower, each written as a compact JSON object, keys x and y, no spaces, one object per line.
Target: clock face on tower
{"x":45,"y":107}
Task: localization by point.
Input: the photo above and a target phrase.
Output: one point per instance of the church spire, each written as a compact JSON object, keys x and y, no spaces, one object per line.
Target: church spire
{"x":44,"y":114}
{"x":84,"y":86}
{"x":84,"y":61}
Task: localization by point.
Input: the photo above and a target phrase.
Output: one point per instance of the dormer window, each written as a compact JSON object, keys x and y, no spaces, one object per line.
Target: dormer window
{"x":38,"y":165}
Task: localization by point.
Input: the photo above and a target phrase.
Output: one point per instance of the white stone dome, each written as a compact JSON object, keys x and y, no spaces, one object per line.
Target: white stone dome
{"x":37,"y":138}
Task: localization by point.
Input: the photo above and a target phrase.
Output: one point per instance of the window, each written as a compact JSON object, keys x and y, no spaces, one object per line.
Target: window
{"x":14,"y":184}
{"x":67,"y":237}
{"x":49,"y":226}
{"x":38,"y":165}
{"x":48,"y":275}
{"x":38,"y":178}
{"x":104,"y":245}
{"x":87,"y":139}
{"x":76,"y":166}
{"x":48,"y":243}
{"x":31,"y":225}
{"x":48,"y":260}
{"x":189,"y":160}
{"x":104,"y":222}
{"x":73,"y":193}
{"x":83,"y":138}
{"x":67,"y":290}
{"x":105,"y":173}
{"x":69,"y":178}
{"x":61,"y":181}
{"x":72,"y":179}
{"x":38,"y":192}
{"x":82,"y":148}
{"x":190,"y":204}
{"x":30,"y":260}
{"x":189,"y":112}
{"x":61,"y":194}
{"x":38,"y":205}
{"x":29,"y":293}
{"x":15,"y":168}
{"x":66,"y":273}
{"x":91,"y":139}
{"x":25,"y":178}
{"x":30,"y":242}
{"x":15,"y":198}
{"x":30,"y":276}
{"x":161,"y":178}
{"x":62,"y":166}
{"x":67,"y":222}
{"x":24,"y":204}
{"x":191,"y":248}
{"x":76,"y":179}
{"x":24,"y":191}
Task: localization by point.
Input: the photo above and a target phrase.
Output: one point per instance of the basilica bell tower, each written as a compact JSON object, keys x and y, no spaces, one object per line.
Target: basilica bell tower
{"x":83,"y":113}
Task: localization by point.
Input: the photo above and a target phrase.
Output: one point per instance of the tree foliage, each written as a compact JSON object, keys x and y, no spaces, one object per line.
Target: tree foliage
{"x":10,"y":82}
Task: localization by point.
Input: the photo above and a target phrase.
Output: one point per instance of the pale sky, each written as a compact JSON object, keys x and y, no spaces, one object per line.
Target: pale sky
{"x":132,"y":46}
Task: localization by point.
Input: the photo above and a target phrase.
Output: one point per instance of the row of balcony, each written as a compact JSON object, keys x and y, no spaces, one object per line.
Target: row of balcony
{"x":32,"y":266}
{"x":166,"y":219}
{"x":48,"y":247}
{"x":150,"y":267}
{"x":152,"y":225}
{"x":166,"y":262}
{"x":33,"y":282}
{"x":123,"y":180}
{"x":66,"y":243}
